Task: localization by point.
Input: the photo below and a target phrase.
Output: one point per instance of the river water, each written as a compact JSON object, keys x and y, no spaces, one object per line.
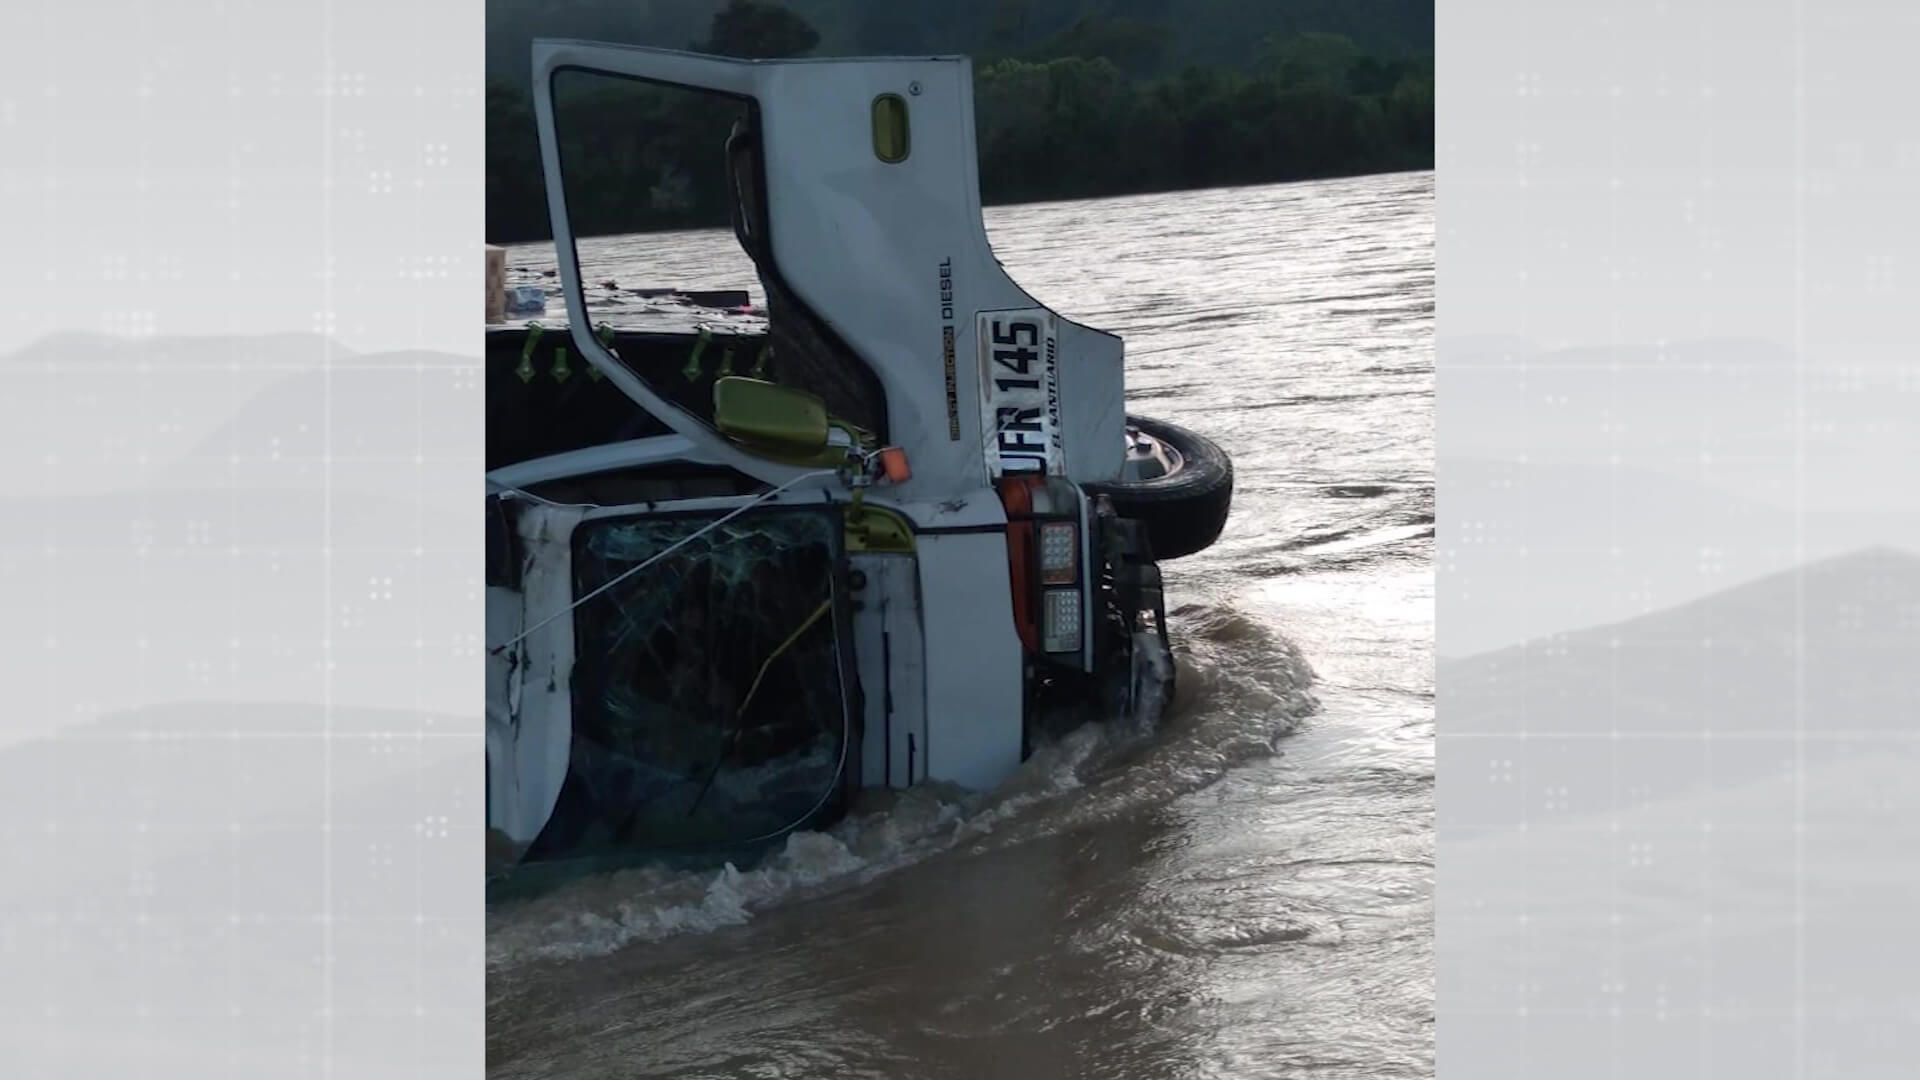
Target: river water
{"x":1246,"y":891}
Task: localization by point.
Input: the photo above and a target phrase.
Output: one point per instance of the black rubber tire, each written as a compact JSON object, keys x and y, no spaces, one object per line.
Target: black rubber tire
{"x":1185,"y":510}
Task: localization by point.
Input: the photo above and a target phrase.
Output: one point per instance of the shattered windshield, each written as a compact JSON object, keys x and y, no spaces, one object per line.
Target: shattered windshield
{"x":709,"y":705}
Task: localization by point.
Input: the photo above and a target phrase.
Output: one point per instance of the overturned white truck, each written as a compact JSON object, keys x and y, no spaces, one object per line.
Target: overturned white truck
{"x":910,"y":529}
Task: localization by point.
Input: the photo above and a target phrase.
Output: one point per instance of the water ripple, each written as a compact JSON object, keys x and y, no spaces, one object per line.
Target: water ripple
{"x":1244,"y":892}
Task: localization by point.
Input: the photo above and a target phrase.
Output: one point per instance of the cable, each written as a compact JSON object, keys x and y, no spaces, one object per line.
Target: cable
{"x":846,"y":739}
{"x":824,"y":607}
{"x":675,"y":546}
{"x":733,"y":729}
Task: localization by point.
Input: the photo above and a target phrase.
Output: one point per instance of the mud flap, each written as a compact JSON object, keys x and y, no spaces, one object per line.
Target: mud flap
{"x":1136,"y":616}
{"x":1150,"y":688}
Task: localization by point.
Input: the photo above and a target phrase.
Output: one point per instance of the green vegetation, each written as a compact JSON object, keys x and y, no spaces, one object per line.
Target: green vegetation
{"x":1103,"y":102}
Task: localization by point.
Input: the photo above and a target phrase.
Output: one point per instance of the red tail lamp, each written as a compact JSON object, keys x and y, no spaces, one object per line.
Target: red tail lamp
{"x":893,"y":465}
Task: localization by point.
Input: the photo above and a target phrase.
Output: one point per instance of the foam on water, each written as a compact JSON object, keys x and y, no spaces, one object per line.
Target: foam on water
{"x":1227,"y":712}
{"x":601,"y":914}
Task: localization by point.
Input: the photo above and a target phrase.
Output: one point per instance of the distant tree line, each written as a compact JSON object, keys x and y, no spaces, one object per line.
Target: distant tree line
{"x":1144,"y":38}
{"x":1083,"y":114}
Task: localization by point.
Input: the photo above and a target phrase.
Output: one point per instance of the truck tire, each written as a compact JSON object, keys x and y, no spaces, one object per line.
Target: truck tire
{"x":1184,"y":508}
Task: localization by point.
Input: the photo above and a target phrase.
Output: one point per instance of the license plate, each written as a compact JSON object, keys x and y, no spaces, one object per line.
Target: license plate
{"x":1020,"y":393}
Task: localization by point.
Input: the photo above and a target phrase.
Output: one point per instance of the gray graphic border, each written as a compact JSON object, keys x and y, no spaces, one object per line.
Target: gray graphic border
{"x":1679,"y":586}
{"x":240,"y":774}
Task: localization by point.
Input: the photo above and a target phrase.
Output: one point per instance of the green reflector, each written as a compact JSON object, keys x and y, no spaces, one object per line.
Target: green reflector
{"x":890,"y":128}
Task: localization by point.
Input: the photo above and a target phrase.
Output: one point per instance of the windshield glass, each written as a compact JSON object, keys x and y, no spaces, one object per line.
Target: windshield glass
{"x":710,"y":702}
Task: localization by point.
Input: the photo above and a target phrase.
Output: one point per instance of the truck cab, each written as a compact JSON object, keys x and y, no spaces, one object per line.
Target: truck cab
{"x":887,"y":530}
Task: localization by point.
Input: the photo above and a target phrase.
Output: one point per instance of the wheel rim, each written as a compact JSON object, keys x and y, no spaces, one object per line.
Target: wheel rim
{"x":1152,"y":457}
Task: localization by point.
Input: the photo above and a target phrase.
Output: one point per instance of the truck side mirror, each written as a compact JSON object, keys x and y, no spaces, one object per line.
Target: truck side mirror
{"x":775,"y":420}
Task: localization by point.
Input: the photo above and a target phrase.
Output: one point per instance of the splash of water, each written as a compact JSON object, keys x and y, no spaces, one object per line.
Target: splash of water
{"x":1242,"y":688}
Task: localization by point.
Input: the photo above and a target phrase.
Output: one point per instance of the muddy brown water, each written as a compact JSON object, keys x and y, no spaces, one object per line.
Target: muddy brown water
{"x":1244,"y":891}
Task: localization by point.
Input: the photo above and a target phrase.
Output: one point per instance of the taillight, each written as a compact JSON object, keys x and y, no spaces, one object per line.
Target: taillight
{"x":1060,"y":621}
{"x":1016,"y":494}
{"x":1049,"y":604}
{"x":1059,"y":553}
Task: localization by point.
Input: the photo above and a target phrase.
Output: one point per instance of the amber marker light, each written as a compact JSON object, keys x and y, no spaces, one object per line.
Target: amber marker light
{"x":893,"y":465}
